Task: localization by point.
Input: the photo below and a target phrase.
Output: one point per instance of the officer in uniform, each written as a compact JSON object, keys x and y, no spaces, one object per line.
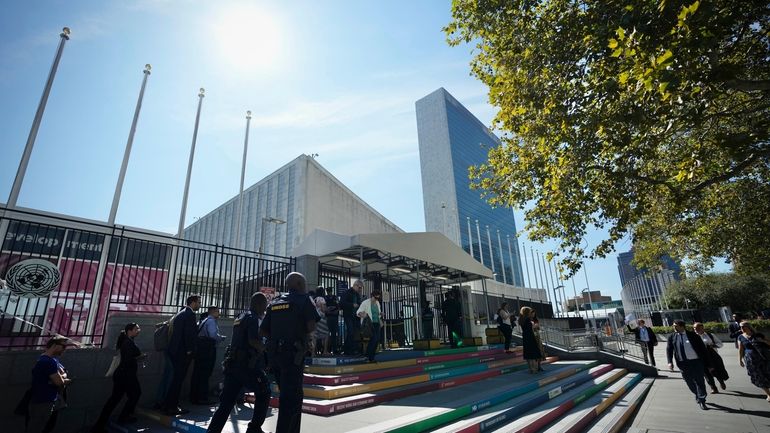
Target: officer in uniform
{"x":289,"y":323}
{"x":244,"y":367}
{"x":427,"y":320}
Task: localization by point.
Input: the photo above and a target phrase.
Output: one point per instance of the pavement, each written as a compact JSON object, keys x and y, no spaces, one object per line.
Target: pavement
{"x":670,"y":406}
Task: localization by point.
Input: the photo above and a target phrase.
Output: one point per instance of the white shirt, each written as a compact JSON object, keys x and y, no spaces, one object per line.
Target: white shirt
{"x":717,"y":343}
{"x":688,"y":349}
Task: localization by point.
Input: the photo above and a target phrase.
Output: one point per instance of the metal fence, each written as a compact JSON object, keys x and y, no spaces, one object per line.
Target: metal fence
{"x":66,"y":276}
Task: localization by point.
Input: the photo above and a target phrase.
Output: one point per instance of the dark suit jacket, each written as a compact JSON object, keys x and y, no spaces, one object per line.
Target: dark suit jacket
{"x":638,"y":331}
{"x":734,"y":329}
{"x":183,"y":334}
{"x":695,"y":342}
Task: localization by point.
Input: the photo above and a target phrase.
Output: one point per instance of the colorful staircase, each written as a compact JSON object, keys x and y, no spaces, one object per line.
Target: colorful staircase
{"x":471,"y":389}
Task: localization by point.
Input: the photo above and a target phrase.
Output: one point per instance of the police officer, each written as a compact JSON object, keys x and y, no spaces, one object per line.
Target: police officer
{"x":289,"y":323}
{"x":245,"y":368}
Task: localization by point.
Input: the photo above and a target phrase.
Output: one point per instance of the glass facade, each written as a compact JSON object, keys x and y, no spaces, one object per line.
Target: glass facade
{"x":445,"y":127}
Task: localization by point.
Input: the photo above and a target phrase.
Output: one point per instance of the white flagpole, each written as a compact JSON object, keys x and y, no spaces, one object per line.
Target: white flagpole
{"x":243,"y":175}
{"x":127,"y":152}
{"x":180,"y":230}
{"x":22,"y":170}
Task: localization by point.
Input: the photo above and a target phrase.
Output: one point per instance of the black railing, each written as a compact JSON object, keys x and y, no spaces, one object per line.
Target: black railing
{"x":66,"y":276}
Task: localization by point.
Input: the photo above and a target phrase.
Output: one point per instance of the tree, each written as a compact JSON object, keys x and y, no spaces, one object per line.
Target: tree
{"x":641,"y":118}
{"x":743,"y":293}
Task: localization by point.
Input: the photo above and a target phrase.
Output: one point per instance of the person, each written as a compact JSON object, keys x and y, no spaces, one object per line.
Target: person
{"x":531,"y":350}
{"x":646,"y":339}
{"x":350,"y":302}
{"x":451,"y":312}
{"x":427,"y":320}
{"x":504,"y":325}
{"x":289,"y":322}
{"x":49,"y":384}
{"x":181,"y":347}
{"x":754,"y":354}
{"x":691,"y":358}
{"x":712,"y":343}
{"x":124,"y":380}
{"x":734,"y":328}
{"x":538,"y":340}
{"x":332,"y":318}
{"x":321,"y":336}
{"x":371,"y":309}
{"x":205,"y":356}
{"x":244,"y":367}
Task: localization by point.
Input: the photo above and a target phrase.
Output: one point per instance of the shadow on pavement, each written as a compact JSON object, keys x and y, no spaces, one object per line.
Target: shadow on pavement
{"x":759,"y":413}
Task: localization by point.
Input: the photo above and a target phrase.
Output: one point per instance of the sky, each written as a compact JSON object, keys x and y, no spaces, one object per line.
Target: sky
{"x":334,"y":78}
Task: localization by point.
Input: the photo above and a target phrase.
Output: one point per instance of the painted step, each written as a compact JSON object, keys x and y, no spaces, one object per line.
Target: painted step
{"x":341,"y":379}
{"x":408,"y":358}
{"x":584,"y":413}
{"x":346,"y":404}
{"x":425,"y":412}
{"x":488,"y":417}
{"x":338,"y":391}
{"x":557,"y":408}
{"x":396,"y":355}
{"x":616,"y":417}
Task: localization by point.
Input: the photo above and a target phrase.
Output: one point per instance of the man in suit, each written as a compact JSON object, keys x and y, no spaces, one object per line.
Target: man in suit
{"x":691,"y":358}
{"x":646,"y":339}
{"x":180,"y":350}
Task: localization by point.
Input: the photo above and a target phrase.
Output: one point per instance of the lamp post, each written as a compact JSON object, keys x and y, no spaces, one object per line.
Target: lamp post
{"x":262,"y":230}
{"x":556,"y":297}
{"x":591,"y":303}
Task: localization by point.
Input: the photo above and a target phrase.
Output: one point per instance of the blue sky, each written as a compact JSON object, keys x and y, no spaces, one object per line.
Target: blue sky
{"x":336,"y":78}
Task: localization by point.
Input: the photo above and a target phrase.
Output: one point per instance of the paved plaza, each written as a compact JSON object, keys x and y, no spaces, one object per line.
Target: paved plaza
{"x":670,"y":407}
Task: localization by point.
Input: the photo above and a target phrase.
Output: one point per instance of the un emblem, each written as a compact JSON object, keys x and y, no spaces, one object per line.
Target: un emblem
{"x":33,"y":278}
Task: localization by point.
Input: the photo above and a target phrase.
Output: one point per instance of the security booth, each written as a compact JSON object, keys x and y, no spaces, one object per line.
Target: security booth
{"x":408,"y":268}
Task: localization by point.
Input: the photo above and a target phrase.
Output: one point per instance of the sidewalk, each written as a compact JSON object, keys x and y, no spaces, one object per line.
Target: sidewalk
{"x":670,"y":407}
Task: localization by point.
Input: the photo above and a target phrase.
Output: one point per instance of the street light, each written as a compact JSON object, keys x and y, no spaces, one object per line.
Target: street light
{"x":590,"y":302}
{"x":262,"y":231}
{"x":556,"y":298}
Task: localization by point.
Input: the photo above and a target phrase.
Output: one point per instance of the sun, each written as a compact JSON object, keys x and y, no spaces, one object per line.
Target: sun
{"x":248,"y":38}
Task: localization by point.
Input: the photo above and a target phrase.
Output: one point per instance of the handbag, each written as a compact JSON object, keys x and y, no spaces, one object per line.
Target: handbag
{"x":113,"y":365}
{"x":366,"y":328}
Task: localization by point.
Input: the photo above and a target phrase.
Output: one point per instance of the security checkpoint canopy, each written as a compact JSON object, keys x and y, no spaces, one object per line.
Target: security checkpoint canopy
{"x":403,"y":255}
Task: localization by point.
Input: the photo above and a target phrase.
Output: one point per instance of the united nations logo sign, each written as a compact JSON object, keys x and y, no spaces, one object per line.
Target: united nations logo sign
{"x":33,"y":278}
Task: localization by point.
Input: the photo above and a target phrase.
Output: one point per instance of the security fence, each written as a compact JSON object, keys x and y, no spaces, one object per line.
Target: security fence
{"x":65,"y":276}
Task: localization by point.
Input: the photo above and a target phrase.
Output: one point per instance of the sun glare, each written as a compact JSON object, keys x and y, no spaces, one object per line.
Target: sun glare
{"x":248,"y":39}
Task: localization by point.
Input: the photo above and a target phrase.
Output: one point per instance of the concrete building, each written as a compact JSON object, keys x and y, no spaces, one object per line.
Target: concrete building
{"x":282,"y":209}
{"x":451,"y":139}
{"x":644,"y":289}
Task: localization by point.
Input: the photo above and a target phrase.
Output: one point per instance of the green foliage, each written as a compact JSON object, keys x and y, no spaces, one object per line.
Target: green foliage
{"x":739,"y":292}
{"x":649,"y":118}
{"x":715,"y":327}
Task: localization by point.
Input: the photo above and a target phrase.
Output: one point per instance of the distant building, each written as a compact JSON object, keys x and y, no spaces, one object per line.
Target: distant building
{"x":644,"y":289}
{"x":286,"y":206}
{"x":451,"y":139}
{"x":593,"y":301}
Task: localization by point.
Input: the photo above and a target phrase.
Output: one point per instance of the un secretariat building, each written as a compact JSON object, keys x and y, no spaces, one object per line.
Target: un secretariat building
{"x":451,"y":139}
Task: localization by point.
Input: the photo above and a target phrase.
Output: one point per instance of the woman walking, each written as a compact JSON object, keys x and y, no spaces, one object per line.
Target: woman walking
{"x":504,"y":324}
{"x":531,"y":350}
{"x":370,"y":308}
{"x":536,"y":329}
{"x":124,"y":380}
{"x":754,"y":354}
{"x":719,"y":372}
{"x":321,"y":328}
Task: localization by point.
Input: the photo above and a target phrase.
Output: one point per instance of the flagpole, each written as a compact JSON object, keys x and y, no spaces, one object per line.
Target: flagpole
{"x":243,"y":175}
{"x":22,"y":170}
{"x":180,"y":230}
{"x":127,"y":152}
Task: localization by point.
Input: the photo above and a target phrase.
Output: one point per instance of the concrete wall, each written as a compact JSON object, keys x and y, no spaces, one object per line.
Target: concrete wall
{"x":90,"y":388}
{"x":331,"y":206}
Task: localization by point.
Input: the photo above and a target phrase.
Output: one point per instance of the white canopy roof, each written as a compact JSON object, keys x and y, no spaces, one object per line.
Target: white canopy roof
{"x":436,"y":255}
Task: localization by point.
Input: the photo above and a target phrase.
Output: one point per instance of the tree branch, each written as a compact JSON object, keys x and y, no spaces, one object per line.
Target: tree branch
{"x":737,"y":169}
{"x":748,"y":85}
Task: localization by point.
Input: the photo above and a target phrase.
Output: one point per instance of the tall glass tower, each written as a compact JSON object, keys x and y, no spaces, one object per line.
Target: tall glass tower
{"x":451,"y":139}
